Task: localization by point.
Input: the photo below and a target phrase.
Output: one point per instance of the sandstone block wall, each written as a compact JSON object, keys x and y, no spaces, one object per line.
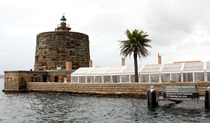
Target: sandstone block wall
{"x":135,"y":90}
{"x":60,"y":75}
{"x":104,"y":89}
{"x":53,"y":49}
{"x":11,"y":81}
{"x":16,"y":80}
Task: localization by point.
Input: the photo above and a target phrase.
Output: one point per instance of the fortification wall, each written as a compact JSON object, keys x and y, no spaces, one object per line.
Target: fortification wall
{"x":16,"y":80}
{"x":53,"y":49}
{"x":134,"y":90}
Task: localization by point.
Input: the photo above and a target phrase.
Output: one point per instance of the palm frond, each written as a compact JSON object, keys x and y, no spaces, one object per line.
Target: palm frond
{"x":137,"y":42}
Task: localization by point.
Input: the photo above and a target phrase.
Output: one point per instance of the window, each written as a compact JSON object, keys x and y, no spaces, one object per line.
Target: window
{"x":199,"y":77}
{"x":98,"y":79}
{"x":132,"y":78}
{"x":208,"y":76}
{"x":176,"y":77}
{"x":82,"y":79}
{"x":125,"y":78}
{"x":74,"y":79}
{"x":107,"y":79}
{"x":165,"y":77}
{"x":145,"y":78}
{"x":90,"y":79}
{"x":116,"y":79}
{"x":154,"y":77}
{"x":188,"y":77}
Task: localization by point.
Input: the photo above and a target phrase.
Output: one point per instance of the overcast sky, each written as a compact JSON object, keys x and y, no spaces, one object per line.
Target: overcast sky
{"x":179,"y":29}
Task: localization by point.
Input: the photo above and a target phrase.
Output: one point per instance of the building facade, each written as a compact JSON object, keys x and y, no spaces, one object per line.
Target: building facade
{"x":54,"y":48}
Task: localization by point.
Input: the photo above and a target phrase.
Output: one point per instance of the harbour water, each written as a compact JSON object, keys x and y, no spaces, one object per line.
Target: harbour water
{"x":67,"y":108}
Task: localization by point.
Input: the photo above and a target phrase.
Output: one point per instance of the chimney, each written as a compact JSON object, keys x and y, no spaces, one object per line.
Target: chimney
{"x":159,"y":59}
{"x":123,"y":61}
{"x":68,"y":65}
{"x":90,"y":63}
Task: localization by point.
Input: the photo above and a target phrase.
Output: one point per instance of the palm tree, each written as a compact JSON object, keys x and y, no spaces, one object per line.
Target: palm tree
{"x":136,"y":44}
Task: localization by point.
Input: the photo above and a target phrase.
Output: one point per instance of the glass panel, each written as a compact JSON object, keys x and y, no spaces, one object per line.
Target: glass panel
{"x":176,"y":77}
{"x":144,"y":78}
{"x":97,"y":71}
{"x":116,"y":79}
{"x":199,"y":77}
{"x":208,"y":65}
{"x":132,"y":78}
{"x":81,"y":79}
{"x":187,"y":77}
{"x":107,"y":79}
{"x":176,"y":67}
{"x":82,"y":71}
{"x":208,"y":76}
{"x":90,"y":79}
{"x":98,"y":79}
{"x":129,"y":70}
{"x":74,"y":79}
{"x":194,"y":66}
{"x":149,"y":68}
{"x":114,"y":70}
{"x":125,"y":78}
{"x":154,"y":78}
{"x":165,"y":77}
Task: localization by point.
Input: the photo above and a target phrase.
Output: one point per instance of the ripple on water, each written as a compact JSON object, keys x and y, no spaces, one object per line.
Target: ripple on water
{"x":65,"y":108}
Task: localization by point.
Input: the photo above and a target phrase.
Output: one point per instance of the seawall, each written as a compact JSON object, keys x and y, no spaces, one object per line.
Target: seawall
{"x":131,"y":90}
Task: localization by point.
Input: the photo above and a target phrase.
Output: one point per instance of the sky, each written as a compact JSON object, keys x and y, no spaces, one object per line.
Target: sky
{"x":179,"y":29}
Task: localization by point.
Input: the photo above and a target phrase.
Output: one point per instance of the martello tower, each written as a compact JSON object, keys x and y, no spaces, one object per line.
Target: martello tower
{"x":54,"y":49}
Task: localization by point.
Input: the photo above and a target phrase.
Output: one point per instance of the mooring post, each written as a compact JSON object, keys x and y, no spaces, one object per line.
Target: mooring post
{"x":152,"y":98}
{"x":207,"y":98}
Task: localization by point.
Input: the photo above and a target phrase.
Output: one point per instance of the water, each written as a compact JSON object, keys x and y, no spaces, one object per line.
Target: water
{"x":66,"y":108}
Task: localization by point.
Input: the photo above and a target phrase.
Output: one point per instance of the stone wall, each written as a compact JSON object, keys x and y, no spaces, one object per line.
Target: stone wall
{"x":22,"y":81}
{"x":53,"y":49}
{"x":11,"y":81}
{"x":133,"y":90}
{"x":16,"y":80}
{"x":60,"y":76}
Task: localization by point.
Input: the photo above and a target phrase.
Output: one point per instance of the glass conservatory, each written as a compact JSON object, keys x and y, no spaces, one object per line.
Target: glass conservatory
{"x":149,"y":73}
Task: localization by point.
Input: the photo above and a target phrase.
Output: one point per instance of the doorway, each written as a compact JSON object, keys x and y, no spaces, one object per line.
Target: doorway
{"x":56,"y":79}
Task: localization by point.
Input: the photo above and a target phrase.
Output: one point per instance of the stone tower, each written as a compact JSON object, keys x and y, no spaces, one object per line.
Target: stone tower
{"x":54,"y":48}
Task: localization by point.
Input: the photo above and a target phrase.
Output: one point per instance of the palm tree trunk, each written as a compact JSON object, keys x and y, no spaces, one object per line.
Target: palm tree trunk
{"x":136,"y":67}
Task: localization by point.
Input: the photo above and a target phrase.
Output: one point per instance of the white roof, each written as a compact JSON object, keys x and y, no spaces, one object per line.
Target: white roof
{"x":194,"y":66}
{"x":172,"y":67}
{"x":81,"y":71}
{"x":128,"y":70}
{"x":151,"y":68}
{"x":144,"y":69}
{"x":98,"y":71}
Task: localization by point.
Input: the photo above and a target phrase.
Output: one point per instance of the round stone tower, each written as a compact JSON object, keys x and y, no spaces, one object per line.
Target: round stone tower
{"x":54,"y":48}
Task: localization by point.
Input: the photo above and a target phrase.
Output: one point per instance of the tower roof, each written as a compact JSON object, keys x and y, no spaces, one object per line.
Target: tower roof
{"x":63,"y":18}
{"x":63,"y":26}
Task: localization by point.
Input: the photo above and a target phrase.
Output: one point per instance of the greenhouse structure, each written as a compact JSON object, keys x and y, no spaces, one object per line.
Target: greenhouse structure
{"x":149,"y":73}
